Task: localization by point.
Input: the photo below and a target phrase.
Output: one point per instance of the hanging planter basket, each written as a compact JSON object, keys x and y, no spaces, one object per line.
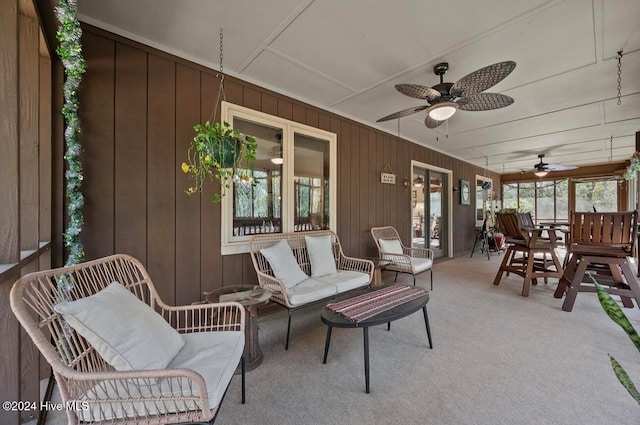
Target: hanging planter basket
{"x":215,"y":152}
{"x":227,"y":152}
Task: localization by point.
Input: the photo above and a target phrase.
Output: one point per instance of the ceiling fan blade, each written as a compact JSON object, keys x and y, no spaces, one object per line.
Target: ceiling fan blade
{"x":403,"y":113}
{"x":431,"y":123}
{"x":482,"y":79}
{"x":419,"y":92}
{"x":461,"y":100}
{"x":486,"y":101}
{"x":560,"y":167}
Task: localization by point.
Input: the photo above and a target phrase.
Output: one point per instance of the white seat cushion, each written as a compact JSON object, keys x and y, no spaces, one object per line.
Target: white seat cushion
{"x":345,"y":280}
{"x":420,"y":264}
{"x":126,"y":332}
{"x":310,"y":290}
{"x":214,"y":355}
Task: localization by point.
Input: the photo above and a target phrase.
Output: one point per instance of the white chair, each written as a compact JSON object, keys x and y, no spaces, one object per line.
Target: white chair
{"x":122,"y":356}
{"x":413,"y":261}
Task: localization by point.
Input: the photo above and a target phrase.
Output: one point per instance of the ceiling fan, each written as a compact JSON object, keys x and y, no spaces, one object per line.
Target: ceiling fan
{"x":445,"y":98}
{"x":541,"y":169}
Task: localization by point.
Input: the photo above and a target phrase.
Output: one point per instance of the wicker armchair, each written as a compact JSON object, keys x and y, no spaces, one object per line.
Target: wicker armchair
{"x":413,"y":261}
{"x":86,"y":381}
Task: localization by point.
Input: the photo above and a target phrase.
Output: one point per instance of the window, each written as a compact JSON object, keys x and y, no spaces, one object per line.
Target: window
{"x":546,"y":200}
{"x":293,"y":182}
{"x":484,"y":197}
{"x":597,"y":195}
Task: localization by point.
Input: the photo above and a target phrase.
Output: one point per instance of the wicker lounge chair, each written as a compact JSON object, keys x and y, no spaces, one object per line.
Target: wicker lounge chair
{"x":186,"y":390}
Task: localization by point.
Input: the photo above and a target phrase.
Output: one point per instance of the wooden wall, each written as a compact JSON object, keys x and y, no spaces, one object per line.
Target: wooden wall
{"x":138,"y":107}
{"x":25,"y":190}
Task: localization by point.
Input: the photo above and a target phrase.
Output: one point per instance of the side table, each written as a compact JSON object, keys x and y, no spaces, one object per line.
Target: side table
{"x":251,"y":297}
{"x":378,"y":265}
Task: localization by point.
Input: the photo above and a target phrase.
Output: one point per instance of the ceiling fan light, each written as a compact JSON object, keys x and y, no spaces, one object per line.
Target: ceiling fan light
{"x":541,"y":173}
{"x":278,"y":160}
{"x":442,"y":111}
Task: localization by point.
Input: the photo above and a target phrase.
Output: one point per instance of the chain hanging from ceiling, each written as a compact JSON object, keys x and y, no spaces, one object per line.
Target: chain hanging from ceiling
{"x":619,"y":57}
{"x":221,"y":94}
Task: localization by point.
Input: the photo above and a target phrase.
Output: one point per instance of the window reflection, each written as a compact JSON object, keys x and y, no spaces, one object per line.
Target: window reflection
{"x":257,"y":202}
{"x":311,"y":183}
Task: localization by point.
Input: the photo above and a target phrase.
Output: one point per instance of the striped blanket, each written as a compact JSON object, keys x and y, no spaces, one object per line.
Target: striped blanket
{"x":368,"y":305}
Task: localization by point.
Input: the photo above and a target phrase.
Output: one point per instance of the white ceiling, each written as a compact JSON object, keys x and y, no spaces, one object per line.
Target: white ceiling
{"x":345,"y":56}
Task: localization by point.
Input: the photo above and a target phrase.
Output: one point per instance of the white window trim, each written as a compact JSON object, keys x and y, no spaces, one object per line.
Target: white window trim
{"x":230,"y":244}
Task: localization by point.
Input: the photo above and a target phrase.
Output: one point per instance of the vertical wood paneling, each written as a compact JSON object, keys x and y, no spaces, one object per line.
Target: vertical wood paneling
{"x":188,"y":258}
{"x":312,"y":118}
{"x":57,"y":169}
{"x":131,"y":152}
{"x":299,"y":113}
{"x":44,"y":137}
{"x":29,"y":361}
{"x":364,"y":192}
{"x":352,"y":205}
{"x":9,"y":157}
{"x":251,"y":98}
{"x":324,"y":122}
{"x":29,"y":108}
{"x":285,"y":109}
{"x":211,"y":270}
{"x":9,"y":353}
{"x":344,"y":187}
{"x":269,"y":104}
{"x":161,"y":176}
{"x":97,"y":140}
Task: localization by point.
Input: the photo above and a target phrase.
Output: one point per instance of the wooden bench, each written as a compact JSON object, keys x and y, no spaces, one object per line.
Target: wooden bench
{"x":351,"y":273}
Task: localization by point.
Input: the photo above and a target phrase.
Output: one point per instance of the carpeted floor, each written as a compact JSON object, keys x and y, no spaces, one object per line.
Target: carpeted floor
{"x":498,"y":358}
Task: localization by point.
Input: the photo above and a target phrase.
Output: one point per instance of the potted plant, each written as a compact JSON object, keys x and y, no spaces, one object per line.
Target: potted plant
{"x":215,"y":152}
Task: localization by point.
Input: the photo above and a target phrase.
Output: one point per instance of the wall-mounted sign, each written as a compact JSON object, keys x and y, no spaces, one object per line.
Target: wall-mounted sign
{"x":387,"y":175}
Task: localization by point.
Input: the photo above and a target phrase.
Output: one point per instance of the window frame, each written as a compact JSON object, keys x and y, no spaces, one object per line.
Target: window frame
{"x":230,"y":244}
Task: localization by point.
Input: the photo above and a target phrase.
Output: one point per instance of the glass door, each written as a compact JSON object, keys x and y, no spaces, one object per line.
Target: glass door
{"x":429,"y":206}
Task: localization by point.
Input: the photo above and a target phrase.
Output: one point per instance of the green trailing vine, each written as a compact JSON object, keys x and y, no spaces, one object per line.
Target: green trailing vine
{"x":70,"y":51}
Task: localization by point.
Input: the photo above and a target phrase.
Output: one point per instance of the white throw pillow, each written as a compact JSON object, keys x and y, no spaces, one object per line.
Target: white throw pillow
{"x":126,"y":332}
{"x":320,"y":255}
{"x":284,"y":264}
{"x":391,"y":246}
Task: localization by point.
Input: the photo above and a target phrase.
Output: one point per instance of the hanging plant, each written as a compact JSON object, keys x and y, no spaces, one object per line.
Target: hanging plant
{"x":70,"y":52}
{"x":633,"y":168}
{"x":216,"y":152}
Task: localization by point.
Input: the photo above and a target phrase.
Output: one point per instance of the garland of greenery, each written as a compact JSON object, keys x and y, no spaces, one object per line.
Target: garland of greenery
{"x":70,"y":52}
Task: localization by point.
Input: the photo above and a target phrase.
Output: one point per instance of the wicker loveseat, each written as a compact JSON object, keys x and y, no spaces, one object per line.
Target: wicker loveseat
{"x":208,"y":341}
{"x":320,"y":277}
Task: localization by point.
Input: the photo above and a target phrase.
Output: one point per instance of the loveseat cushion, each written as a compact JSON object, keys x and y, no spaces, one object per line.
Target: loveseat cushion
{"x":214,"y":355}
{"x":345,"y":280}
{"x":320,"y":255}
{"x":284,"y":264}
{"x":127,"y":333}
{"x":310,"y":290}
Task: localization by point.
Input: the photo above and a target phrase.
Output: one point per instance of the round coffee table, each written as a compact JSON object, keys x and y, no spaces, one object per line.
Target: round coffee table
{"x":251,"y":297}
